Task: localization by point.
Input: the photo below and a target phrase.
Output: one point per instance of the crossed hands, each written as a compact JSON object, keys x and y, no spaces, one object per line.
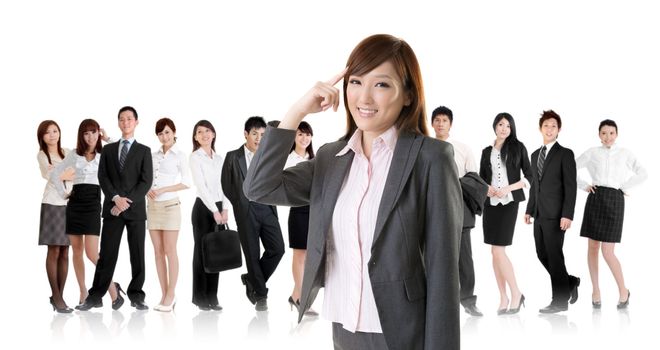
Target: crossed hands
{"x":121,"y":204}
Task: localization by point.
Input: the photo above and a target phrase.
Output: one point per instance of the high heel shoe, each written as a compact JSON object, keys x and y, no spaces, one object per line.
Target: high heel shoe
{"x":119,"y":301}
{"x":296,"y":303}
{"x":624,"y":304}
{"x":64,"y":310}
{"x":521,"y":303}
{"x":501,"y":312}
{"x":166,"y":308}
{"x":595,"y":304}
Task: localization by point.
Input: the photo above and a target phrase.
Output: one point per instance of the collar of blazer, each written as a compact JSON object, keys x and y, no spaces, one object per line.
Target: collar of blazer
{"x":548,"y":157}
{"x":403,"y":160}
{"x":242,"y":163}
{"x":114,"y":151}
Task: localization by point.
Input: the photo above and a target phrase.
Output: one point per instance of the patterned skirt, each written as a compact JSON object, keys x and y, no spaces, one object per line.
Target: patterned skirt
{"x":603,"y":215}
{"x":51,"y":225}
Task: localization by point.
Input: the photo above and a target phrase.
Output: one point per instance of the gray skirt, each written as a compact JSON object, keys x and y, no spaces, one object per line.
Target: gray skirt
{"x":52,"y":222}
{"x":603,"y":215}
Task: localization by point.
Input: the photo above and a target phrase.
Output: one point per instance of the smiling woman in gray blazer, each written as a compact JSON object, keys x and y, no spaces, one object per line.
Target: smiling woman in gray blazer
{"x":385,"y":206}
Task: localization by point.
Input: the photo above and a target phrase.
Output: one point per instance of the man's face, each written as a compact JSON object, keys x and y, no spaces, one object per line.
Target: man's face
{"x":127,"y":123}
{"x":441,"y":125}
{"x":253,"y":138}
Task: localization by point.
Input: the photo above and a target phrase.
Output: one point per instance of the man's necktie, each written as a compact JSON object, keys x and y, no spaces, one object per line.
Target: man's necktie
{"x":123,"y":154}
{"x":539,"y":162}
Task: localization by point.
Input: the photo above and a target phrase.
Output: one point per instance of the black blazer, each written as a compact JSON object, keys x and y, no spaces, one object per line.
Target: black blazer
{"x":133,"y":182}
{"x":512,"y":169}
{"x":553,"y":195}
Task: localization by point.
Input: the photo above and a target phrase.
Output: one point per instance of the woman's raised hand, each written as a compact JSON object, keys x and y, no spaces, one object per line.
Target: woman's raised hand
{"x":320,"y":97}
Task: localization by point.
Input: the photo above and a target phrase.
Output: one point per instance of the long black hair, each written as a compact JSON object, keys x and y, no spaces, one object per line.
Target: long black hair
{"x":511,"y":148}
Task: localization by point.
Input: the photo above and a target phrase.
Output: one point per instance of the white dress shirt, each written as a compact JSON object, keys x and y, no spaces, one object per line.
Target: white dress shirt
{"x":500,"y":177}
{"x":613,"y":167}
{"x":463,"y":157}
{"x":170,"y":168}
{"x":248,"y":156}
{"x":51,"y":195}
{"x":86,"y":172}
{"x":295,"y":158}
{"x":206,"y":176}
{"x":349,"y":299}
{"x":121,"y":145}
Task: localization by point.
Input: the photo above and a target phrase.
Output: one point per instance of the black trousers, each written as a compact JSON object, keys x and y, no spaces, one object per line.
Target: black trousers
{"x":549,"y":240}
{"x":261,"y":224}
{"x":345,"y":340}
{"x":205,"y":285}
{"x":466,"y":269}
{"x":113,"y":229}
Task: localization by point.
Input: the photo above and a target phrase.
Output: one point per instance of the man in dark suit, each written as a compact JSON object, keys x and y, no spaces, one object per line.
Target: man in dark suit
{"x":125,"y":175}
{"x":551,"y":204}
{"x":254,"y":220}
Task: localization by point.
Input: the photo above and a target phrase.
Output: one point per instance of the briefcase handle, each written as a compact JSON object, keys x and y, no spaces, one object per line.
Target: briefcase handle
{"x":221,"y":227}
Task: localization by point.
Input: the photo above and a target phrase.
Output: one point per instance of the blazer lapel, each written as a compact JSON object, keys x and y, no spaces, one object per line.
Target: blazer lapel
{"x":242,"y":163}
{"x":332,"y":185}
{"x":548,"y":158}
{"x":403,"y":160}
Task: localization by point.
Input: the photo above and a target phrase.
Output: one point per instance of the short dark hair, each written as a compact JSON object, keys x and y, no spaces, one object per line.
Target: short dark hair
{"x":442,"y":110}
{"x":274,"y":123}
{"x":608,"y":122}
{"x":85,"y":126}
{"x":207,"y":124}
{"x":550,"y":114}
{"x":255,"y":122}
{"x":127,"y":108}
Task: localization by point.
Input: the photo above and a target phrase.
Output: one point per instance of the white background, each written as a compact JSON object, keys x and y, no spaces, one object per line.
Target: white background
{"x":71,"y":60}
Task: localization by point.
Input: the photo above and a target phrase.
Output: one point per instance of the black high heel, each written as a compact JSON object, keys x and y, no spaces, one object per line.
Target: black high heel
{"x":64,"y":310}
{"x":624,"y":304}
{"x":520,"y":304}
{"x":293,"y":303}
{"x":119,"y":301}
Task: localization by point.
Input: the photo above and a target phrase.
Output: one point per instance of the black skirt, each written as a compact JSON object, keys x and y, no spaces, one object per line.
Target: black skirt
{"x":499,"y":223}
{"x":603,"y":215}
{"x":298,"y":227}
{"x":83,"y":212}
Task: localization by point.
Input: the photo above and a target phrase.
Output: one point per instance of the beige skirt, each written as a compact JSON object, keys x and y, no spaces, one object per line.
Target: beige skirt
{"x":164,"y":215}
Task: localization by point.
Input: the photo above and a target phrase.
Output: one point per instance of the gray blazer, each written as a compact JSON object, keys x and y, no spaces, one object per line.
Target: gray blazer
{"x":414,"y":257}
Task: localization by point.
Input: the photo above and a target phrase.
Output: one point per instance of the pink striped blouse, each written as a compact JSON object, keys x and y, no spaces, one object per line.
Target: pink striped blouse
{"x":349,"y":299}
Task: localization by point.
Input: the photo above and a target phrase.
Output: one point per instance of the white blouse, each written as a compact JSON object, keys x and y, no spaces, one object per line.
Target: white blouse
{"x":500,"y":177}
{"x":206,"y":173}
{"x":86,"y":172}
{"x":613,"y":167}
{"x":295,"y":158}
{"x":51,"y":195}
{"x":170,"y":168}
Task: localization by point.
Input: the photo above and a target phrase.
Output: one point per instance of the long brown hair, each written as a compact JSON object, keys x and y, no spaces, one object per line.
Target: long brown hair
{"x":41,"y":131}
{"x":371,"y":53}
{"x":85,"y":126}
{"x":207,"y":124}
{"x":304,"y":127}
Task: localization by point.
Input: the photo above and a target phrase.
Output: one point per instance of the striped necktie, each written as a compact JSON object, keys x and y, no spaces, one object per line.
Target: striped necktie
{"x":539,"y":162}
{"x":123,"y":154}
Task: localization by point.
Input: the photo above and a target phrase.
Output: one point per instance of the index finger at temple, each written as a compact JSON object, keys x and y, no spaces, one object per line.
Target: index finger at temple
{"x":334,"y":80}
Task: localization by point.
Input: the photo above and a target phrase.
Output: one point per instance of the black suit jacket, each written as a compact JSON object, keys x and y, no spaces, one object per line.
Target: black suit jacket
{"x":233,"y":174}
{"x":512,"y":169}
{"x":133,"y":182}
{"x":553,"y":195}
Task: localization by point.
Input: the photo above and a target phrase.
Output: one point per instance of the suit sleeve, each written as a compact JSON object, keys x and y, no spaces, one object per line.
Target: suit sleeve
{"x":525,"y":166}
{"x":226,"y":178}
{"x":531,"y":203}
{"x":267,"y":183}
{"x":443,"y":221}
{"x":145,"y":177}
{"x":569,"y":175}
{"x":104,"y":180}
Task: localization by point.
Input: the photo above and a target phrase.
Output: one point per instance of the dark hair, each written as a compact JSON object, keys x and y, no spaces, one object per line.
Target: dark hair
{"x":127,"y":108}
{"x":510,"y":148}
{"x":442,"y":110}
{"x":162,"y":123}
{"x":550,"y":114}
{"x":273,"y":123}
{"x":255,"y":122}
{"x":608,"y":122}
{"x":304,"y":127}
{"x":371,"y":53}
{"x":41,"y":131}
{"x":85,"y":126}
{"x":207,"y":124}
